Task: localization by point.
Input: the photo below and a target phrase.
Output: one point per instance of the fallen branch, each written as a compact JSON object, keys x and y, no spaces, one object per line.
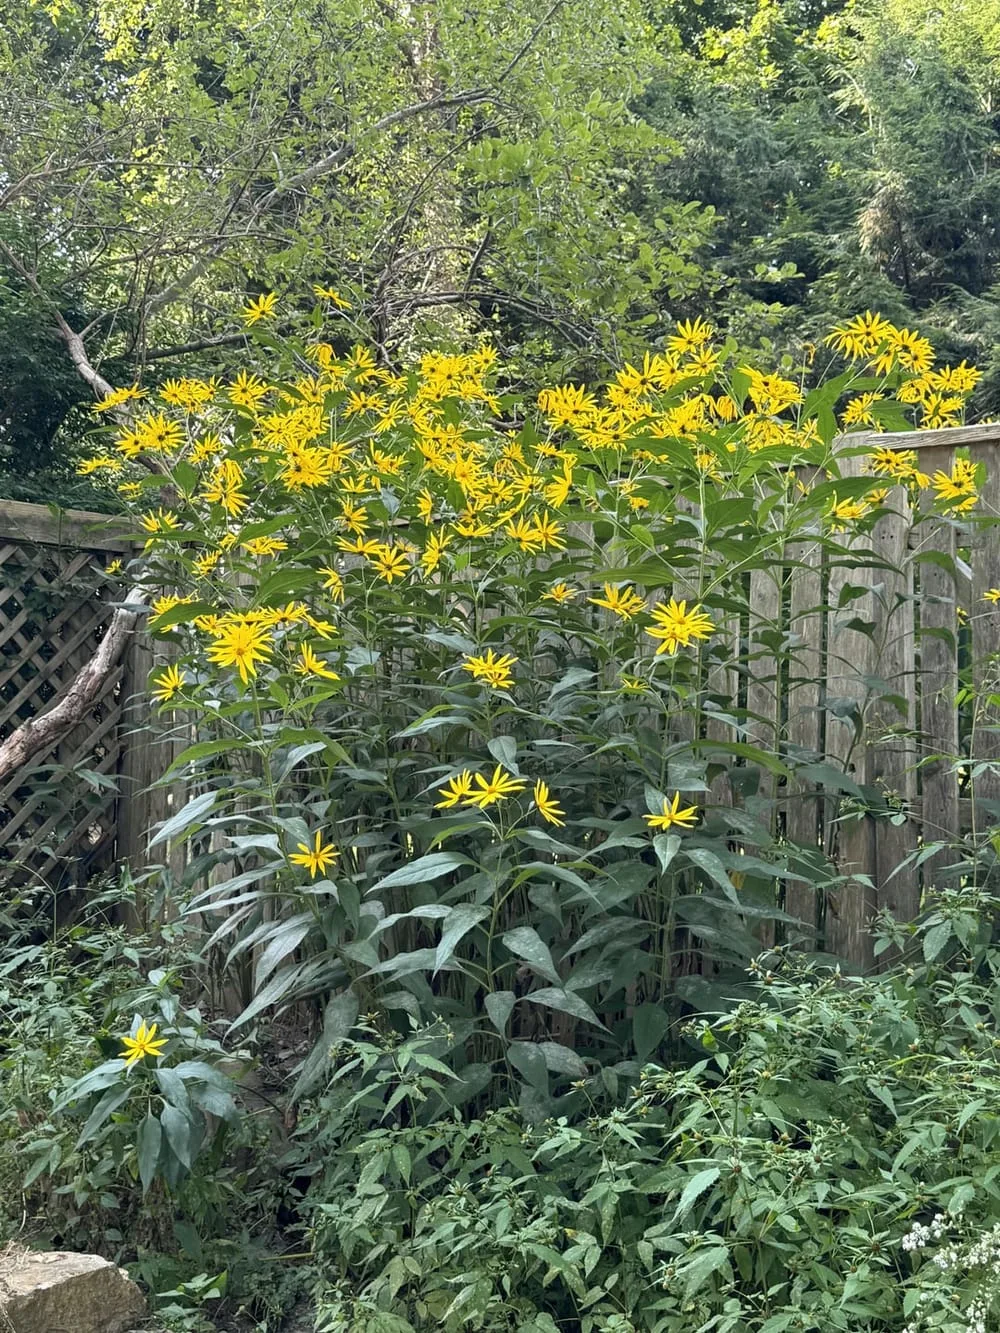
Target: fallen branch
{"x":39,"y":733}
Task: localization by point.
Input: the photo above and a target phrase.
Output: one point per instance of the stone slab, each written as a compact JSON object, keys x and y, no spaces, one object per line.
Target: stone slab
{"x":59,"y":1292}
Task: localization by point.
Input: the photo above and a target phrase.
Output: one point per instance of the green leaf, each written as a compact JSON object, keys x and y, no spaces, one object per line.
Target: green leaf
{"x":504,"y":751}
{"x":499,"y":1005}
{"x":147,"y":1147}
{"x":525,"y":942}
{"x":460,"y":921}
{"x":422,"y":870}
{"x":190,"y":814}
{"x":181,"y":614}
{"x":650,"y":1023}
{"x":666,"y":846}
{"x":338,"y":1020}
{"x":567,"y":1002}
{"x":177,"y":1132}
{"x":560,"y":1059}
{"x":206,"y":750}
{"x":284,"y":938}
{"x":694,"y":1189}
{"x":935,"y":940}
{"x":713,"y":867}
{"x":529,"y":1062}
{"x":104,"y":1109}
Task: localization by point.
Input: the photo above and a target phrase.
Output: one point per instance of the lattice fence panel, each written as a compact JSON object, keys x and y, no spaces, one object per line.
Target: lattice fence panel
{"x":57,"y":817}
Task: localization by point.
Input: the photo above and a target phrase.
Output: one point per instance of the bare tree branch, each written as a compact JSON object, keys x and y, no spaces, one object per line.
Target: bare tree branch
{"x":38,"y":733}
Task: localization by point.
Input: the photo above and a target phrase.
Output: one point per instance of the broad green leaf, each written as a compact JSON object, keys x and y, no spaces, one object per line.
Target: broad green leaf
{"x":460,"y":921}
{"x":499,"y":1005}
{"x":650,"y":1023}
{"x":177,"y":1132}
{"x":339,"y":1018}
{"x":566,"y":1001}
{"x":529,"y":1062}
{"x":666,"y":846}
{"x":422,"y":870}
{"x":191,"y":813}
{"x":504,"y":751}
{"x":694,"y":1189}
{"x":525,"y":942}
{"x":147,"y":1146}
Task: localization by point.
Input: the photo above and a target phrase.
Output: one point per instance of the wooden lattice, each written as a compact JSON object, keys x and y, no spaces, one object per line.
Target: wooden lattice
{"x":58,"y":817}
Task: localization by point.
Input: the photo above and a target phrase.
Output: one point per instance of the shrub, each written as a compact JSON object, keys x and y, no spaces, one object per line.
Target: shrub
{"x":462,"y":676}
{"x":831,"y":1161}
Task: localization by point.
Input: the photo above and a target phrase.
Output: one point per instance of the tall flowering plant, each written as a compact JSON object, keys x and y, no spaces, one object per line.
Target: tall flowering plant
{"x":461,"y":669}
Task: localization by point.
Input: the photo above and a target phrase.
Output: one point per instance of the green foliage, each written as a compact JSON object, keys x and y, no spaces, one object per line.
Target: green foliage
{"x":462,"y":691}
{"x":767,"y":1185}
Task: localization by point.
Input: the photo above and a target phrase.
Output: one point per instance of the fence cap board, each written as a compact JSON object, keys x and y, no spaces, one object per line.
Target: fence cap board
{"x":957,"y":437}
{"x":66,"y":527}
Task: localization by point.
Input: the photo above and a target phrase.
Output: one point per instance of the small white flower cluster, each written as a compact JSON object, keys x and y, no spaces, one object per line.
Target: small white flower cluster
{"x":921,"y":1234}
{"x":975,"y":1317}
{"x":984,"y":1252}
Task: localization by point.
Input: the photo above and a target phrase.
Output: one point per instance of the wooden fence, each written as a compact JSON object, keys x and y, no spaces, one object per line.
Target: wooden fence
{"x":78,"y":808}
{"x":884,"y":703}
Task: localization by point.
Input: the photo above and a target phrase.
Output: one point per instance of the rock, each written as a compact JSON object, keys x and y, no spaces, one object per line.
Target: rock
{"x":66,"y":1293}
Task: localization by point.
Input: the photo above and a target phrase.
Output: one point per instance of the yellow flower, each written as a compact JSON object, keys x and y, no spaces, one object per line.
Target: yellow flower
{"x":161,"y":605}
{"x":368,"y":546}
{"x":992,"y":595}
{"x":900,"y":464}
{"x":455,"y":790}
{"x":425,"y":505}
{"x":390,"y":563}
{"x":223,"y":488}
{"x":262,"y":307}
{"x":101,"y":463}
{"x":547,"y":806}
{"x":520,"y":530}
{"x":495,"y":671}
{"x":634,"y":685}
{"x":263,"y":546}
{"x":247,"y":390}
{"x":330,"y":294}
{"x":431,"y":557}
{"x":673,"y":814}
{"x":498,"y":788}
{"x":241,"y":643}
{"x":157,"y":434}
{"x":159,"y":522}
{"x":311,"y":665}
{"x":959,"y":489}
{"x":355,"y":517}
{"x":675,"y":626}
{"x":690,"y":336}
{"x":333,"y":582}
{"x":843,"y":512}
{"x":205,"y":563}
{"x":858,"y":411}
{"x":187,"y":394}
{"x":624,"y":602}
{"x":115,"y":567}
{"x":546,"y":532}
{"x":168,"y":683}
{"x":566,"y":404}
{"x":316,"y":858}
{"x":559,"y":593}
{"x":145,"y":1042}
{"x":119,"y":396}
{"x":860,"y":337}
